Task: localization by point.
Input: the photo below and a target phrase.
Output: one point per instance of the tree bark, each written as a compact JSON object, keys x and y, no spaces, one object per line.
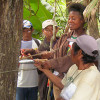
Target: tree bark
{"x":92,"y":23}
{"x":93,"y":27}
{"x":11,"y":15}
{"x":86,"y":2}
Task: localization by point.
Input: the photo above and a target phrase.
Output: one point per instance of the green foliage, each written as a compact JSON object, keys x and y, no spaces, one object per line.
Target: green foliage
{"x":61,"y":14}
{"x":34,"y":11}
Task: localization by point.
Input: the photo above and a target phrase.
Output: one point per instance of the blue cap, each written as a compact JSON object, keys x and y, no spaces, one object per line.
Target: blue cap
{"x":27,"y":24}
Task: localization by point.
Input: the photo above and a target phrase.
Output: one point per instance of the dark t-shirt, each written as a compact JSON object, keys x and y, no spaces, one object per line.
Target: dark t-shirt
{"x":43,"y":90}
{"x":45,"y":45}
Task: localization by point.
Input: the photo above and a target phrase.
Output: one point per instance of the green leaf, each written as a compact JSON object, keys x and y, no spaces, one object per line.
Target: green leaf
{"x":35,"y":12}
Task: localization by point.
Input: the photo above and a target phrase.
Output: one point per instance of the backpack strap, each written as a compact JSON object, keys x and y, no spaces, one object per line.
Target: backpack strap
{"x":37,"y":42}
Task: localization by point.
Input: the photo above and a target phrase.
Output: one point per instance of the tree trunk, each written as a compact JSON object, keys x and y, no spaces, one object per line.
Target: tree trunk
{"x":86,"y":2}
{"x":93,"y":27}
{"x":92,"y":23}
{"x":11,"y":15}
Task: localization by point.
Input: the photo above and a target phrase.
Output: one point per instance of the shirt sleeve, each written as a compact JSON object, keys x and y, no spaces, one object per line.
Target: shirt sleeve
{"x":61,"y":64}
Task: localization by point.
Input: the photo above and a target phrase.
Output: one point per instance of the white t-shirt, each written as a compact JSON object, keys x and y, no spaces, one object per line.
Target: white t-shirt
{"x":86,"y":85}
{"x":27,"y":75}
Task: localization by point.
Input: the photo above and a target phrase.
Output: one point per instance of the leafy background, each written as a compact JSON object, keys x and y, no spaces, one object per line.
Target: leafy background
{"x":38,"y":11}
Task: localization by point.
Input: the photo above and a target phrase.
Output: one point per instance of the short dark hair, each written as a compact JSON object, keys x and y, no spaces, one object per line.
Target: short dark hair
{"x":77,"y":7}
{"x":86,"y":58}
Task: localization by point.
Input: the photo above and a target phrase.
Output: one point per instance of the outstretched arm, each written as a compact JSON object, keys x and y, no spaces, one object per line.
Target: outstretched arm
{"x":56,"y":80}
{"x":61,"y":64}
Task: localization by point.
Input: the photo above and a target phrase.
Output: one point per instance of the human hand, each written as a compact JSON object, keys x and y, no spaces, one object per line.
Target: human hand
{"x":60,"y":98}
{"x":46,"y":54}
{"x":43,"y":63}
{"x":38,"y":64}
{"x":22,"y":55}
{"x":29,"y":51}
{"x":26,"y":53}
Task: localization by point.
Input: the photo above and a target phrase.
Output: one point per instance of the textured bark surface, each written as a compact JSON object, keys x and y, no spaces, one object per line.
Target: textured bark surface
{"x":93,"y":27}
{"x":93,"y":23}
{"x":11,"y":15}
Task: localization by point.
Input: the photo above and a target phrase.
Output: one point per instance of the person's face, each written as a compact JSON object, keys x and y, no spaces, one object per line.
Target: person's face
{"x":27,"y":34}
{"x":72,"y":55}
{"x":48,"y":31}
{"x":75,"y":20}
{"x":76,"y":57}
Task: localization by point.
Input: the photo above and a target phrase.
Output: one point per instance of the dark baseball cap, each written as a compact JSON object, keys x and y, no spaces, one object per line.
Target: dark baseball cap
{"x":87,"y":43}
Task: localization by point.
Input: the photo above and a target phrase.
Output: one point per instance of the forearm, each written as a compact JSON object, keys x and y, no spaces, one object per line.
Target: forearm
{"x":61,"y":64}
{"x":56,"y":80}
{"x":47,"y":55}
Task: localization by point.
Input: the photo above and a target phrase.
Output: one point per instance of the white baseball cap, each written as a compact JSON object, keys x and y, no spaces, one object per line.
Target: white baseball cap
{"x":48,"y":22}
{"x":27,"y":24}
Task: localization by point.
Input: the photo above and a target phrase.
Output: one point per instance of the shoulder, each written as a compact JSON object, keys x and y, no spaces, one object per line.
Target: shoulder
{"x":91,"y":75}
{"x":62,"y":38}
{"x":67,"y":35}
{"x":37,"y":41}
{"x":72,"y":69}
{"x":64,"y":35}
{"x":98,"y":40}
{"x":92,"y":71}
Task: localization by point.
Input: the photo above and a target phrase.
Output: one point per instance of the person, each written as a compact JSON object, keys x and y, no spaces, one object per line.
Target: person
{"x":47,"y":30}
{"x":81,"y":76}
{"x":61,"y":61}
{"x":98,"y":43}
{"x":27,"y":83}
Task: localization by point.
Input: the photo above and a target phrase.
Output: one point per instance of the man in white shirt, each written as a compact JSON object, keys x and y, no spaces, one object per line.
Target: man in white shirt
{"x":27,"y":84}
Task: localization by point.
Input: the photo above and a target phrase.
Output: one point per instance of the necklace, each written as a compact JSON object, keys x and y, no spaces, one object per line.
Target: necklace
{"x":71,"y":79}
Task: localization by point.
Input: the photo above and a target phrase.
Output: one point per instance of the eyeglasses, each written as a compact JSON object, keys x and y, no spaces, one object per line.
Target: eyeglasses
{"x":48,"y":30}
{"x":28,"y":31}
